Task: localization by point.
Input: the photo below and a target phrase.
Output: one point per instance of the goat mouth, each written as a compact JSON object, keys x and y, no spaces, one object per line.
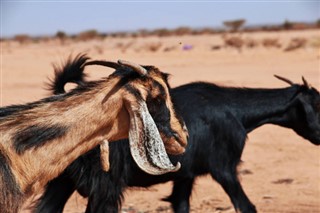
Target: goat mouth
{"x":175,"y":147}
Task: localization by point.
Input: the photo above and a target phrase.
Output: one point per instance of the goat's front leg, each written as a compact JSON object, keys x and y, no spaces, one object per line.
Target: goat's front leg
{"x":106,"y":193}
{"x":180,"y":196}
{"x":228,"y":179}
{"x":56,"y":195}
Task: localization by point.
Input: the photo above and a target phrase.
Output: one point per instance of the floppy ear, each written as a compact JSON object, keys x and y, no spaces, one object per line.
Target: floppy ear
{"x":146,"y":145}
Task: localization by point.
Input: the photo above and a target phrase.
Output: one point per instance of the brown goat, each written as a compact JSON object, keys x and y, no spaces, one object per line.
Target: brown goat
{"x":40,"y":139}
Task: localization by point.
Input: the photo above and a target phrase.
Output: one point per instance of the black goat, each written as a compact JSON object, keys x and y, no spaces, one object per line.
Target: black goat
{"x":218,"y":120}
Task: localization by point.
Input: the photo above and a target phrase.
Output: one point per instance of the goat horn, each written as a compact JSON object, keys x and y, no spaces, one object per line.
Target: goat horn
{"x":305,"y":82}
{"x":284,"y":79}
{"x":136,"y":67}
{"x":110,"y":64}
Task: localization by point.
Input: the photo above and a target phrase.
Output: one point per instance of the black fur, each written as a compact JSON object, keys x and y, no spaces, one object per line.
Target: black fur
{"x":36,"y":136}
{"x":61,"y":78}
{"x":218,"y":120}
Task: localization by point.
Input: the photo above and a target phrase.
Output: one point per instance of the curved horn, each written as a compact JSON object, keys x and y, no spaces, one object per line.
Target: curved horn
{"x":284,"y":79}
{"x":136,"y":67}
{"x":305,"y":82}
{"x":110,"y":64}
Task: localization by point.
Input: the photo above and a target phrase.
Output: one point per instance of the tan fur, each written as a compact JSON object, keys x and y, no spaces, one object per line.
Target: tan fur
{"x":108,"y":120}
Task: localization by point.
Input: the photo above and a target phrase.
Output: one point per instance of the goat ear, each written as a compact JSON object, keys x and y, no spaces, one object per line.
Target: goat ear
{"x":311,"y":118}
{"x":146,"y":145}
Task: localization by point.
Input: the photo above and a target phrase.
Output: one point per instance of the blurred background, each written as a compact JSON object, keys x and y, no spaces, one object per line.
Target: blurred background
{"x":47,"y":18}
{"x":231,"y":43}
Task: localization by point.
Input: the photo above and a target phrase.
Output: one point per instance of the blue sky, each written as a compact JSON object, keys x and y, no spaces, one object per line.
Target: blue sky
{"x":47,"y":17}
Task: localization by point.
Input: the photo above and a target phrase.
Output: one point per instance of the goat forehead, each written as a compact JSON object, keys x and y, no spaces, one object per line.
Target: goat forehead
{"x":153,"y":85}
{"x":158,"y":88}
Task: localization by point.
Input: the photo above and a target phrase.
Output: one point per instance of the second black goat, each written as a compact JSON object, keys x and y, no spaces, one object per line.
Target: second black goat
{"x":218,"y":120}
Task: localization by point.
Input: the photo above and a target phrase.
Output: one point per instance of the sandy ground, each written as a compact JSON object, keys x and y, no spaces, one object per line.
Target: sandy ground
{"x":271,"y":153}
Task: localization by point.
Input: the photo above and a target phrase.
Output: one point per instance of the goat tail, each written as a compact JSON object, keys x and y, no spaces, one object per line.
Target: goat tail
{"x":70,"y":72}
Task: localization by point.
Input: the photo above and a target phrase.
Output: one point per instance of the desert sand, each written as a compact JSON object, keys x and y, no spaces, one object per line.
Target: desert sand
{"x":284,"y":168}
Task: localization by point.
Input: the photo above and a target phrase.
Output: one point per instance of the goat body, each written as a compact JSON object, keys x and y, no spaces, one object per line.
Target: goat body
{"x":218,"y":120}
{"x":39,"y":140}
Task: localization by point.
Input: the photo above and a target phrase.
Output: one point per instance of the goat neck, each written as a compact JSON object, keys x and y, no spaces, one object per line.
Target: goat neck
{"x":261,"y":106}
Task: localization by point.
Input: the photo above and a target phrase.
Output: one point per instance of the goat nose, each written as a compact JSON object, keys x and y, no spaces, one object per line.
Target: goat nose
{"x":176,"y":136}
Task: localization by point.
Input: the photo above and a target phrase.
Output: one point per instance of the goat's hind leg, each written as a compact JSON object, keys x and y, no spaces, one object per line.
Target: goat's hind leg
{"x":180,"y":196}
{"x":228,"y":179}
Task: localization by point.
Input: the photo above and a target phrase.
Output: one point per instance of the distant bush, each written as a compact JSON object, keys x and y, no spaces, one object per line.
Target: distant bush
{"x":204,"y":31}
{"x":120,"y":35}
{"x":153,"y":47}
{"x":215,"y":47}
{"x":87,"y":35}
{"x":161,"y":32}
{"x":250,"y":43}
{"x":271,"y":42}
{"x":270,"y":28}
{"x":234,"y":42}
{"x":296,"y":43}
{"x":22,"y":38}
{"x":170,"y":48}
{"x":182,"y":31}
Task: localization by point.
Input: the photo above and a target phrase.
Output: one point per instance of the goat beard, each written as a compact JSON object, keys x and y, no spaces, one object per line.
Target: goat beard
{"x":146,"y":145}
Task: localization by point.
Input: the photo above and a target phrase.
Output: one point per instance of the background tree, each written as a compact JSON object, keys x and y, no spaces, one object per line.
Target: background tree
{"x":234,"y":25}
{"x":61,"y":36}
